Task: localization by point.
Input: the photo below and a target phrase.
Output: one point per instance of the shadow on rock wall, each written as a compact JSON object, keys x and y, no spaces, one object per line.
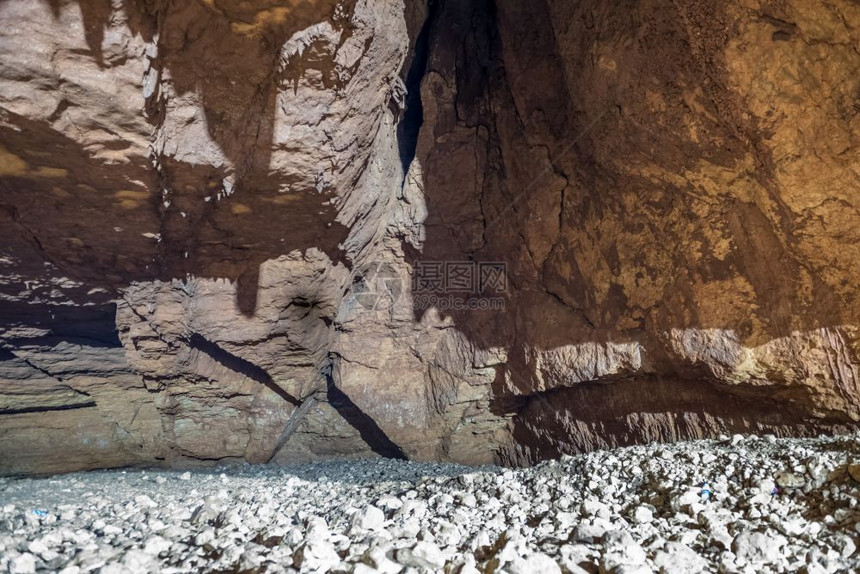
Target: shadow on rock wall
{"x":173,"y":180}
{"x":659,"y":285}
{"x":115,"y":222}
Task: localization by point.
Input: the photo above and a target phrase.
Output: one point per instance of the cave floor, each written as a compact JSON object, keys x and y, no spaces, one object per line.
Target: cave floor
{"x":742,"y":504}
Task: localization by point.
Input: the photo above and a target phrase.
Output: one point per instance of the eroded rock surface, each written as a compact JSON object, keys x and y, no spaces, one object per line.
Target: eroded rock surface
{"x":192,"y":193}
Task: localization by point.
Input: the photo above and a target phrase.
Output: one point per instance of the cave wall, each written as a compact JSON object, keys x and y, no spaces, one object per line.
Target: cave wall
{"x":674,"y":187}
{"x":208,"y":206}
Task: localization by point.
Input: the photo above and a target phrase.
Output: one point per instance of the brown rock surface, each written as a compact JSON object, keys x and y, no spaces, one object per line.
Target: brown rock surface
{"x":191,"y":192}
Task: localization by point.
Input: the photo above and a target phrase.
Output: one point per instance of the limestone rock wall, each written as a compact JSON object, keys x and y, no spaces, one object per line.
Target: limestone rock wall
{"x":208,"y":205}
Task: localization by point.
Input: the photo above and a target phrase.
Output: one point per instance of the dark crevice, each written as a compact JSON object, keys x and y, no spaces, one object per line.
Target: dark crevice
{"x":247,"y":285}
{"x":5,"y":356}
{"x":239,"y":365}
{"x":581,"y":312}
{"x":47,"y":408}
{"x":413,"y":116}
{"x":367,"y":428}
{"x":370,"y":432}
{"x":90,"y":326}
{"x":681,"y":408}
{"x":55,"y":338}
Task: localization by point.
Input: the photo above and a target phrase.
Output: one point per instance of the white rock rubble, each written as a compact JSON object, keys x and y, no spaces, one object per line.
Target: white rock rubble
{"x":742,"y":504}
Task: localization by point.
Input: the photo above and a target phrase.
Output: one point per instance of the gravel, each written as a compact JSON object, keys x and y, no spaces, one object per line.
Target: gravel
{"x":740,"y":504}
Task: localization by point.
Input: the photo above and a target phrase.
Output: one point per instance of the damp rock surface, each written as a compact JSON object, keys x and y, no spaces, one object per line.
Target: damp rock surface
{"x":703,"y":506}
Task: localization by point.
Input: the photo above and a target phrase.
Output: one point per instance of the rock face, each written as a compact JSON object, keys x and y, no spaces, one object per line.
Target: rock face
{"x":213,"y":210}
